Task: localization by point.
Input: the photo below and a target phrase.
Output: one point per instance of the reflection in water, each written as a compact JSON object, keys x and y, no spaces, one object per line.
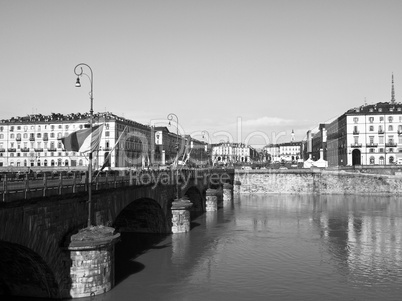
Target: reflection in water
{"x":271,"y":247}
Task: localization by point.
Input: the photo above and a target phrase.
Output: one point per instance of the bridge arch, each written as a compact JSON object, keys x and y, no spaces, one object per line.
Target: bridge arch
{"x":197,"y":198}
{"x":24,"y":273}
{"x":143,"y":215}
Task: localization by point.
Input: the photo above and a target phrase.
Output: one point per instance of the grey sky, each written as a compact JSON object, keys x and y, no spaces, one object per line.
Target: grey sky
{"x":274,"y":65}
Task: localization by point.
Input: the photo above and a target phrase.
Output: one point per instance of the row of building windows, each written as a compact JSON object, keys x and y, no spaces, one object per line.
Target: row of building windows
{"x":381,"y":119}
{"x":39,"y":128}
{"x":58,"y":162}
{"x":380,"y":139}
{"x":38,"y":154}
{"x":380,"y":128}
{"x":39,"y":135}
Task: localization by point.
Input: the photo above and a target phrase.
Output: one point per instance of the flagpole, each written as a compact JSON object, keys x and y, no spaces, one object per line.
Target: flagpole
{"x":91,"y":112}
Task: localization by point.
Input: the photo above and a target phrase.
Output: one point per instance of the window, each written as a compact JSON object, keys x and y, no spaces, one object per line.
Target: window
{"x":25,"y":136}
{"x":371,"y":119}
{"x":371,"y":128}
{"x":381,"y":118}
{"x":381,"y":139}
{"x":355,"y":119}
{"x":390,"y":119}
{"x":390,"y":128}
{"x":11,"y":136}
{"x":372,"y":160}
{"x":38,"y":135}
{"x":371,"y":139}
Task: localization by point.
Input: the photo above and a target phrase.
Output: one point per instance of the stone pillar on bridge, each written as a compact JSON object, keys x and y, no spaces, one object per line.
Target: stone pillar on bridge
{"x":236,"y":189}
{"x":211,"y":200}
{"x":92,"y":261}
{"x":181,"y":215}
{"x":227,"y":193}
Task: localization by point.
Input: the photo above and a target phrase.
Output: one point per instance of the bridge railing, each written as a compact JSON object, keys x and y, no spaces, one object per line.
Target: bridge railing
{"x":28,"y":188}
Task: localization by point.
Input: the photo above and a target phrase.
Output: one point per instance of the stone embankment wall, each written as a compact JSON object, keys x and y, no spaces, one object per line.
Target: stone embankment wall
{"x":317,"y":182}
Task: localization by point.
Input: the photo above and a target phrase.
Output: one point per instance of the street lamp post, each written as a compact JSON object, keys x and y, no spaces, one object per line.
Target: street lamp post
{"x":79,"y":72}
{"x":170,"y":118}
{"x":206,"y":149}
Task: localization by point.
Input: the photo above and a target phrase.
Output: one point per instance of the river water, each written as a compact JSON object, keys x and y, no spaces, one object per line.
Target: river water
{"x":270,"y":247}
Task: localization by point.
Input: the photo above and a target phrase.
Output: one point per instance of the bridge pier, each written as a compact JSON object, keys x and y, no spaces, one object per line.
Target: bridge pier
{"x":227,"y":193}
{"x":92,"y":256}
{"x":211,"y":200}
{"x":181,"y":215}
{"x":236,"y":188}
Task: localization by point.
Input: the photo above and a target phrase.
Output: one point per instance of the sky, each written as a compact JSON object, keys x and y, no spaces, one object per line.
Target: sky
{"x":242,"y":71}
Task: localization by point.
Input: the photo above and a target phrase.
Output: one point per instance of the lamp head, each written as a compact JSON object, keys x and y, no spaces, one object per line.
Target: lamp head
{"x":77,"y":83}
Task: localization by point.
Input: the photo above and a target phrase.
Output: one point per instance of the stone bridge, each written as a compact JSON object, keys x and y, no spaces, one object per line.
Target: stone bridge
{"x":35,"y":259}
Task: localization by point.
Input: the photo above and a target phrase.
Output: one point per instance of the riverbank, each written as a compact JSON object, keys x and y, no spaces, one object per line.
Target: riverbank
{"x":303,"y":181}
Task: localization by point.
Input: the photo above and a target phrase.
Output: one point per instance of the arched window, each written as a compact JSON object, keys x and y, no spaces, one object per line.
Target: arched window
{"x":80,"y":163}
{"x":66,"y":163}
{"x":59,"y":162}
{"x":45,"y":162}
{"x":381,"y":160}
{"x":391,"y":160}
{"x":52,"y":162}
{"x":390,"y":118}
{"x":390,"y":128}
{"x":372,"y":160}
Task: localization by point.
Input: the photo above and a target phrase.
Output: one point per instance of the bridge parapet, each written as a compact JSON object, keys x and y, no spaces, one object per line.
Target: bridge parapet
{"x":28,"y":188}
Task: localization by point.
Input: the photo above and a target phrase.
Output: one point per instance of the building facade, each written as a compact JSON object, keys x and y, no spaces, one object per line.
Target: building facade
{"x":284,"y":152}
{"x":34,"y":141}
{"x":231,"y":153}
{"x":367,"y":135}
